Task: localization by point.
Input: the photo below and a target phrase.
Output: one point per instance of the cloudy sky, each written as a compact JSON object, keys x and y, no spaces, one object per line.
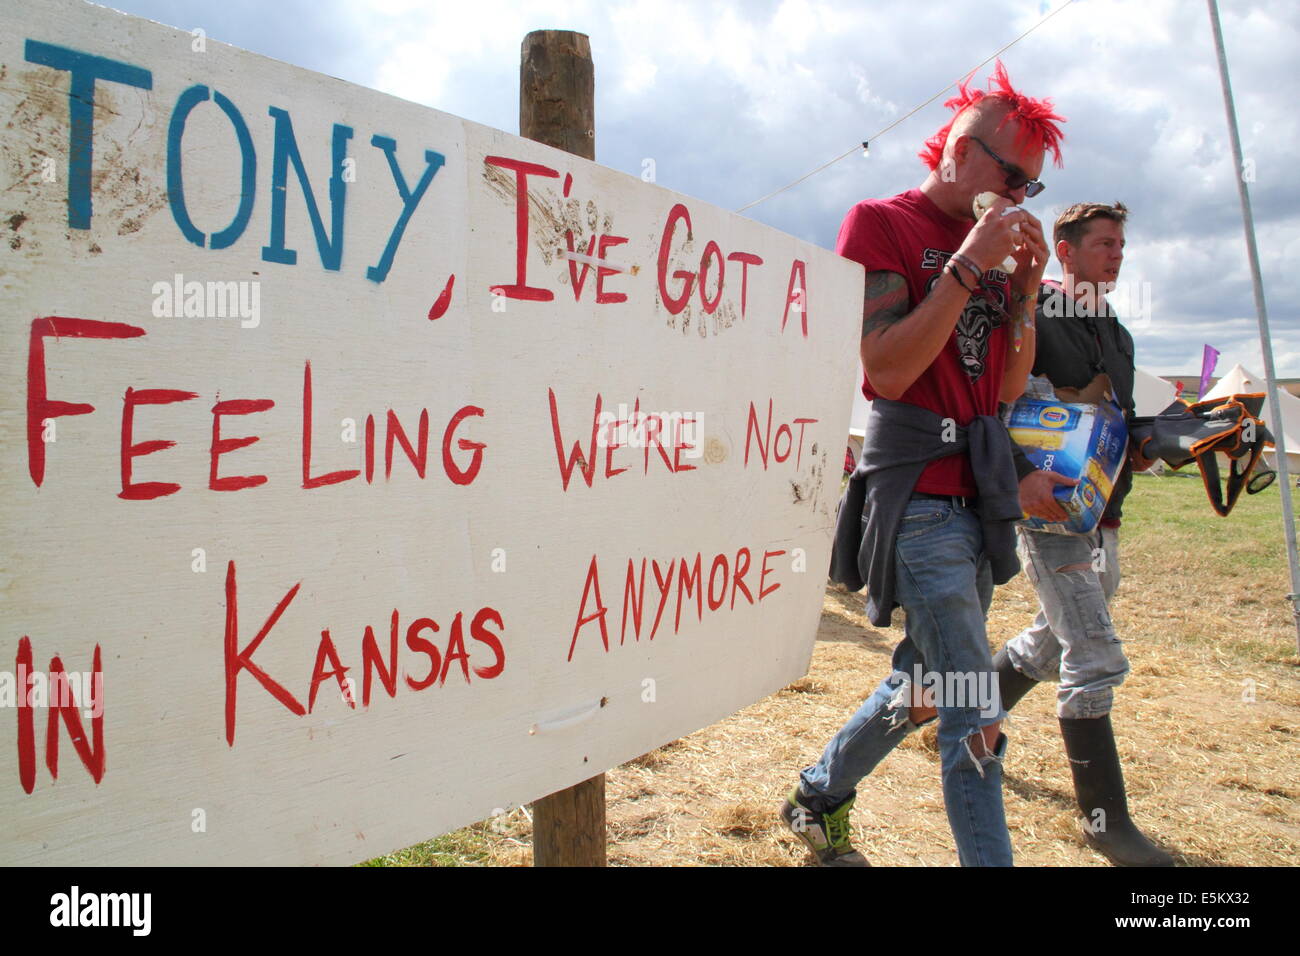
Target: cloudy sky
{"x":735,"y":99}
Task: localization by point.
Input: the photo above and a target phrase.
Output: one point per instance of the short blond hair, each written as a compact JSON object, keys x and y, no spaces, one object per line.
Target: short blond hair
{"x":1073,"y":223}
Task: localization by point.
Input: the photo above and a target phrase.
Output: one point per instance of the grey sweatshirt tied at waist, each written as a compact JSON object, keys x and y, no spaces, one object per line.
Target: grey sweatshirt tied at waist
{"x":901,"y":440}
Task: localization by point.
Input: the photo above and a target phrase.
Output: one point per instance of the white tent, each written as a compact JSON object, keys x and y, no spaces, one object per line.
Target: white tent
{"x":1151,"y":393}
{"x":1239,"y":381}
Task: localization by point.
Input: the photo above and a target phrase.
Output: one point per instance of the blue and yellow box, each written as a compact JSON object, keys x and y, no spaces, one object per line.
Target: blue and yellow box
{"x":1087,"y":442}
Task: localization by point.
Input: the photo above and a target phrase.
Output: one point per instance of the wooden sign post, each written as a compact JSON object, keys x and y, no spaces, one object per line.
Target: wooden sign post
{"x":366,"y":472}
{"x":557,"y":106}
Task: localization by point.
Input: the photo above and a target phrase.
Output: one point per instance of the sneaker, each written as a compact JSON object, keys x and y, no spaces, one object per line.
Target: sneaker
{"x":825,"y":834}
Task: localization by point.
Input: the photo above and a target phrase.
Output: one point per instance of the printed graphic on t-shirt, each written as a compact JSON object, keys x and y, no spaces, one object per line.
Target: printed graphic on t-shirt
{"x":983,"y":313}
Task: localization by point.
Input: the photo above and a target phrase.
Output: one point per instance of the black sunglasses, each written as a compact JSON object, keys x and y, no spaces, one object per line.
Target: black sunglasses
{"x":1015,"y":175}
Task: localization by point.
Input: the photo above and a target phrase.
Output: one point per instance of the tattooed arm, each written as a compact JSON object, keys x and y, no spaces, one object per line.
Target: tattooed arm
{"x":899,"y":344}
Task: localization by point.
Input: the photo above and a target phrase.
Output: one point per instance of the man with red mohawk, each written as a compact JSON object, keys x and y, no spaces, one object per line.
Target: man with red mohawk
{"x":928,"y":520}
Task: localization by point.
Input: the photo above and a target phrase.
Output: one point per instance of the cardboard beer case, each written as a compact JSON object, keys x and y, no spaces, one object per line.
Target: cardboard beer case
{"x":1083,"y":441}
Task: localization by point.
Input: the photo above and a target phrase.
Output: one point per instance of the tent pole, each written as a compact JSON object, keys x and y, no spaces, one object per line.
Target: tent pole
{"x":1266,"y":344}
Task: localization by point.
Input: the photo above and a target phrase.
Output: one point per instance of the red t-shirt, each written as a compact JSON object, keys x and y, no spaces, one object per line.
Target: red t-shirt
{"x":910,"y":235}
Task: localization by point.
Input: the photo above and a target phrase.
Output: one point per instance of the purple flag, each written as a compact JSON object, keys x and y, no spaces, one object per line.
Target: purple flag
{"x":1208,"y":361}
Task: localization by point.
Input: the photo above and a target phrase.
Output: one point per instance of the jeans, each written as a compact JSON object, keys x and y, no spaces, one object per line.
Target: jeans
{"x":945,"y":587}
{"x":1072,"y":638}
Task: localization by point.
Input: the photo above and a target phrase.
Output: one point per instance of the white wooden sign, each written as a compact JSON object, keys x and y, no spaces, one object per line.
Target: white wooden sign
{"x":367,"y":471}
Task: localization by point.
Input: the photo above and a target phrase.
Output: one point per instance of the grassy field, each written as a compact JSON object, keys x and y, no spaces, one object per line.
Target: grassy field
{"x":1208,"y":725}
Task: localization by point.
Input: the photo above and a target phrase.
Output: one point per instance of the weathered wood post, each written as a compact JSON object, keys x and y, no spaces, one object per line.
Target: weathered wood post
{"x":557,"y":93}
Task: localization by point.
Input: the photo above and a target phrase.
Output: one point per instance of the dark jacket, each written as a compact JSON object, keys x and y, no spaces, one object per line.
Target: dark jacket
{"x":1074,"y":345}
{"x":901,"y":440}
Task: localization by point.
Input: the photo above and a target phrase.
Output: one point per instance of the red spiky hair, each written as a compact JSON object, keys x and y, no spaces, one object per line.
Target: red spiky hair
{"x":1037,"y":121}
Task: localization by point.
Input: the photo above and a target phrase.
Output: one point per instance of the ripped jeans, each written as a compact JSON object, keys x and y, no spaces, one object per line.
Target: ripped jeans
{"x":1072,"y":638}
{"x":945,"y":586}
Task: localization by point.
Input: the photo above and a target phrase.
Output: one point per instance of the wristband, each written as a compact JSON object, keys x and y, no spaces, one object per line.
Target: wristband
{"x":951,"y":269}
{"x":964,"y":260}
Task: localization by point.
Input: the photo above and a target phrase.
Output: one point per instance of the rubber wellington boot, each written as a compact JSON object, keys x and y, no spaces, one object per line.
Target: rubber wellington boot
{"x":1012,"y":684}
{"x":1099,"y":786}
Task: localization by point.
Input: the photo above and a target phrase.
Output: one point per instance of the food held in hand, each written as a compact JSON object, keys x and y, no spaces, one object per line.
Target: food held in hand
{"x":982,"y":204}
